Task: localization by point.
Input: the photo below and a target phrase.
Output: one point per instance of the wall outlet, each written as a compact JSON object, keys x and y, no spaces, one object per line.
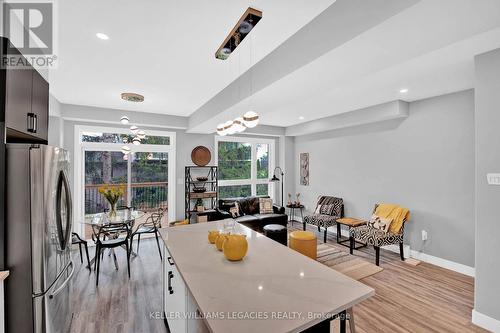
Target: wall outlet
{"x":424,"y":235}
{"x":493,"y":178}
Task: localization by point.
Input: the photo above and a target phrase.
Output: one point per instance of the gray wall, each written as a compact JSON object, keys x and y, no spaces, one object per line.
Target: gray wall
{"x":425,"y":163}
{"x":487,"y":91}
{"x":55,"y":137}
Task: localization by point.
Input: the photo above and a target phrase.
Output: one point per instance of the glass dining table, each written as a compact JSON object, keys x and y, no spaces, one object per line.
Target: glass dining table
{"x":98,"y":220}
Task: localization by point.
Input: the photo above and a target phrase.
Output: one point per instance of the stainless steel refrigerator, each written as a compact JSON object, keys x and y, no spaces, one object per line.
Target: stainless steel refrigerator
{"x":38,"y":239}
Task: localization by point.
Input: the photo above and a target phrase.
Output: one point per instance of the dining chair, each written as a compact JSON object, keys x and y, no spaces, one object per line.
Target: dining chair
{"x":104,"y":241}
{"x":76,"y":239}
{"x":151,"y":226}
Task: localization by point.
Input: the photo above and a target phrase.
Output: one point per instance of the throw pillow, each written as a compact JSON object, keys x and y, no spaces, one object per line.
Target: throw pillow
{"x":235,"y":210}
{"x":266,"y":205}
{"x":380,"y":223}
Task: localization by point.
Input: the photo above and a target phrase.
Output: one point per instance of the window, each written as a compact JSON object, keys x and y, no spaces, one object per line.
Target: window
{"x":245,"y":165}
{"x":144,"y":172}
{"x":88,"y":136}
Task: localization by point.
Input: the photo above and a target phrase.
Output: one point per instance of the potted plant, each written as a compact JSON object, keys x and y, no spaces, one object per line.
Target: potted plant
{"x":199,"y":205}
{"x":112,"y":193}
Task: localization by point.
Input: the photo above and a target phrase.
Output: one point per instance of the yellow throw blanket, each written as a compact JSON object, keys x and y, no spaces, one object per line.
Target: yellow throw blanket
{"x":395,"y":213}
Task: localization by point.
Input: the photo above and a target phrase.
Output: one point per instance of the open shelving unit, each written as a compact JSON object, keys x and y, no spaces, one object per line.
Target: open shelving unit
{"x":209,"y":197}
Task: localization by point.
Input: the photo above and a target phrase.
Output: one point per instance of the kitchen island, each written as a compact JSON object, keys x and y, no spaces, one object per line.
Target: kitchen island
{"x":273,"y":289}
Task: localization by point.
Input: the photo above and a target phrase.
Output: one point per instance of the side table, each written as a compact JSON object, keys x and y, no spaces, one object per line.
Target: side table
{"x":292,"y":209}
{"x":350,"y":223}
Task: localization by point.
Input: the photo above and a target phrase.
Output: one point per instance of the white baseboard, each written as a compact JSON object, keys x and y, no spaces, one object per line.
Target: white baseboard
{"x":408,"y":252}
{"x":486,"y":322}
{"x":448,"y":264}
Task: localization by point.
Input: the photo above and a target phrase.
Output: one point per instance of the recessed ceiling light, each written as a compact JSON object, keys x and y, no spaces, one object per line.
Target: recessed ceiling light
{"x":403,"y":91}
{"x":301,"y":117}
{"x":102,"y":36}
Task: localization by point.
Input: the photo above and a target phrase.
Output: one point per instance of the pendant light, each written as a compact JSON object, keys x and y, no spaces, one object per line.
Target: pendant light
{"x":230,"y":129}
{"x":125,"y":150}
{"x":251,"y":119}
{"x":134,"y":129}
{"x":220,"y":130}
{"x":141,"y":134}
{"x":239,"y":125}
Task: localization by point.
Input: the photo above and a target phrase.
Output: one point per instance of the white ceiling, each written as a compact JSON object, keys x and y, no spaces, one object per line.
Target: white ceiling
{"x":428,"y":48}
{"x":163,"y":49}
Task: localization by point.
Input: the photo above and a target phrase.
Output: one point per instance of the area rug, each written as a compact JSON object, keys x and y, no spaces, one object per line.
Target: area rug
{"x":343,"y":262}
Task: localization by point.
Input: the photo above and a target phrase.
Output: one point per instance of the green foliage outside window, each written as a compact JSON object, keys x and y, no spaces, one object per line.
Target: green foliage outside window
{"x":235,"y":163}
{"x":235,"y":160}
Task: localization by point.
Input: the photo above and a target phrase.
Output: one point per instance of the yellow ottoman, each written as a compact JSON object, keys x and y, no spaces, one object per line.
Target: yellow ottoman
{"x":304,"y":242}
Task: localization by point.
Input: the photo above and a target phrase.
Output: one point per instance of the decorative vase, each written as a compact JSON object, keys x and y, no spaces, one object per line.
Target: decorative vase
{"x":212,"y":236}
{"x":235,"y":247}
{"x":220,"y":241}
{"x":112,"y":210}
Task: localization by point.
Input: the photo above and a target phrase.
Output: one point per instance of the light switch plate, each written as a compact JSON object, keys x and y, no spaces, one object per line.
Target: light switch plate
{"x":493,"y":178}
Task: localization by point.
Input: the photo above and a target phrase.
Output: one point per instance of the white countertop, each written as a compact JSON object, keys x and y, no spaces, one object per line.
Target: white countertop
{"x":271,"y":281}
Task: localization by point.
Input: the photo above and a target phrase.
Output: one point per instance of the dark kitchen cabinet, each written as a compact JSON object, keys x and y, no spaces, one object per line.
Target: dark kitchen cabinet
{"x":26,"y":104}
{"x":40,"y":106}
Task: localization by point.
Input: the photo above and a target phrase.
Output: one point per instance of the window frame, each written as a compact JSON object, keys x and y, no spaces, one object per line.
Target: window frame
{"x":253,"y":181}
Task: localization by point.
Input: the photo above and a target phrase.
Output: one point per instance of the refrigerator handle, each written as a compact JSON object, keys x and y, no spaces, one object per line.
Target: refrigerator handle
{"x":61,"y":287}
{"x":64,"y":238}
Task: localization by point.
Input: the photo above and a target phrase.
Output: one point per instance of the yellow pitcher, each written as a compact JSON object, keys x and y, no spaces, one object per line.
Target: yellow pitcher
{"x":235,"y":247}
{"x":212,"y":236}
{"x":221,"y":238}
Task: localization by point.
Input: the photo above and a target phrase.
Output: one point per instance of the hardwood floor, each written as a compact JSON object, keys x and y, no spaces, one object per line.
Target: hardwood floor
{"x":423,"y":298}
{"x":119,"y":304}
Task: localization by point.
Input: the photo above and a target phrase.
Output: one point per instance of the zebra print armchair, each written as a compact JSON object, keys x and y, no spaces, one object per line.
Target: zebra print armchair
{"x":328,"y":210}
{"x":377,"y":238}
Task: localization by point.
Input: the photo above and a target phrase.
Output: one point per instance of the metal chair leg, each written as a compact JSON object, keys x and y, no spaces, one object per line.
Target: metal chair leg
{"x":80,"y":248}
{"x":128,"y":258}
{"x":138,"y":242}
{"x":304,"y":226}
{"x":342,"y":321}
{"x":352,"y":326}
{"x":96,"y":255}
{"x":158,"y":243}
{"x":324,"y":237}
{"x":351,"y":244}
{"x":401,"y":251}
{"x":98,"y":266}
{"x":87,"y":254}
